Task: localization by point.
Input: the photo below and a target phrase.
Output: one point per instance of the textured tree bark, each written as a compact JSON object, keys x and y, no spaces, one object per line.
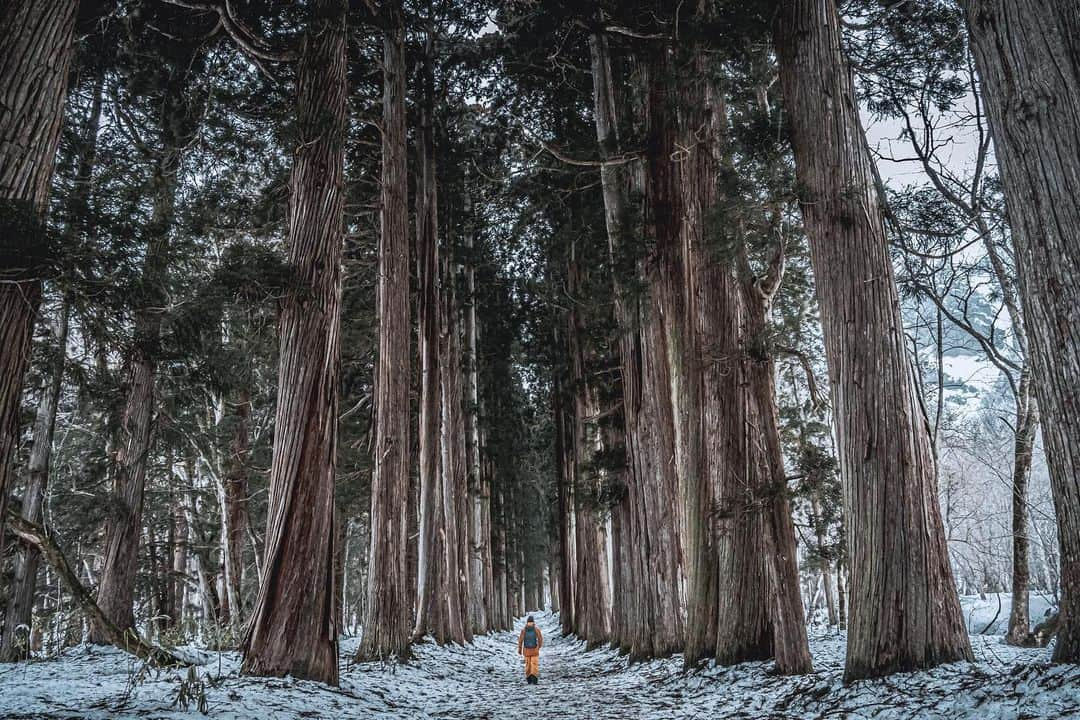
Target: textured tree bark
{"x":453,"y":387}
{"x":292,"y":628}
{"x":1027,"y":55}
{"x":905,"y":612}
{"x":781,"y":592}
{"x":388,"y":623}
{"x":21,"y":597}
{"x":615,"y":183}
{"x":35,"y":51}
{"x":665,"y":401}
{"x":710,"y":308}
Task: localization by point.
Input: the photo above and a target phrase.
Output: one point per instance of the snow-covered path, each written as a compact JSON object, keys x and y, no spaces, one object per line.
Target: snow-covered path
{"x":486,"y":680}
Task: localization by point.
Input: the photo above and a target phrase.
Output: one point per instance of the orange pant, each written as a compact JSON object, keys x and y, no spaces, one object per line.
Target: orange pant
{"x":532,"y":665}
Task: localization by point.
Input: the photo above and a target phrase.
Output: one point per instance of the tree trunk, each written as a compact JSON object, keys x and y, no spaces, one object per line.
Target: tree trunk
{"x":123,"y":527}
{"x":652,"y":483}
{"x":21,"y":597}
{"x":35,"y":51}
{"x":20,"y":602}
{"x":905,"y":612}
{"x":177,"y":578}
{"x":1028,"y":59}
{"x":451,"y":468}
{"x":615,"y":183}
{"x":389,"y":592}
{"x":234,"y":508}
{"x":453,"y":385}
{"x":427,"y":253}
{"x":781,"y":592}
{"x":1027,"y":427}
{"x":292,"y":628}
{"x":823,"y":558}
{"x":591,"y":593}
{"x":564,"y":500}
{"x":479,"y":540}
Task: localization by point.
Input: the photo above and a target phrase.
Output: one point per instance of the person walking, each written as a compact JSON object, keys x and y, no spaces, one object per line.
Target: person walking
{"x":529,"y":643}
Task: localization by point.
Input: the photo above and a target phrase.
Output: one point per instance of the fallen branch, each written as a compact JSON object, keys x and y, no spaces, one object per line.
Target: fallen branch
{"x":126,"y":640}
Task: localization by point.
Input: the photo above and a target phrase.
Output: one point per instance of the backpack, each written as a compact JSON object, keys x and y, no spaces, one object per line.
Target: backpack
{"x":530,"y":637}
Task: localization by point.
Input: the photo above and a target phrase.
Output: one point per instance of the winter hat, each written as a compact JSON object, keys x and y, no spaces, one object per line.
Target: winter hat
{"x":529,"y":619}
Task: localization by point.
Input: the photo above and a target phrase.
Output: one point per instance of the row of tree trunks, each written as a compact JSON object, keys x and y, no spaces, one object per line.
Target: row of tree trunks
{"x":648,"y":570}
{"x":293,"y":629}
{"x":688,"y":369}
{"x":35,"y":52}
{"x":905,"y":613}
{"x":1028,"y":59}
{"x":451,"y":518}
{"x":388,"y":624}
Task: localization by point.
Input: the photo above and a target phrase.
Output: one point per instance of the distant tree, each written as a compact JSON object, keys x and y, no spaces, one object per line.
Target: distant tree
{"x":387,"y":627}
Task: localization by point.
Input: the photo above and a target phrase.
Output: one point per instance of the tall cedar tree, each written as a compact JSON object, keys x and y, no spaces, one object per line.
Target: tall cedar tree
{"x":430,"y":615}
{"x":1028,"y":58}
{"x":390,"y":590}
{"x":905,"y":612}
{"x":293,"y":629}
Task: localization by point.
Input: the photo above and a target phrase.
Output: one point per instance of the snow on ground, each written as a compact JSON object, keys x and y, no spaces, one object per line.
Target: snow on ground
{"x":989,"y":614}
{"x":486,"y":681}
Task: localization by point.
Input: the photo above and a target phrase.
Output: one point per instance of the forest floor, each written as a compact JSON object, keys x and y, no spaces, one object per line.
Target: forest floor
{"x":485,"y":680}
